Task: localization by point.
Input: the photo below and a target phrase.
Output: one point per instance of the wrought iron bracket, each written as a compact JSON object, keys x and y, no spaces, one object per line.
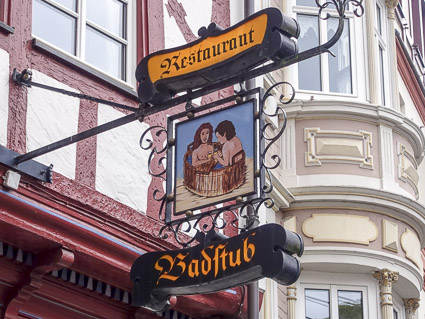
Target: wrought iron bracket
{"x":30,"y":167}
{"x":24,"y":163}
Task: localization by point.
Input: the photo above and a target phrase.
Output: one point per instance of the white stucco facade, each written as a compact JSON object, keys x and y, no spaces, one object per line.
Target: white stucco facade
{"x":51,"y":117}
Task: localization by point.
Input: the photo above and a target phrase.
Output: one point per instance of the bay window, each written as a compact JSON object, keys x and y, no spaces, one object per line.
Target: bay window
{"x":93,"y":31}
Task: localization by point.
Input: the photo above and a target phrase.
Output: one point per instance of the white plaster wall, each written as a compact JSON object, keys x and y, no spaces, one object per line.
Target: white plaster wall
{"x":236,"y":11}
{"x":51,"y":117}
{"x":121,"y":165}
{"x":4,"y":95}
{"x":198,"y":14}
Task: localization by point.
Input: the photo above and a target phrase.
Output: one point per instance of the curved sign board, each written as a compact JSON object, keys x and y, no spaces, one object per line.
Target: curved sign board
{"x":217,"y":55}
{"x":265,"y":251}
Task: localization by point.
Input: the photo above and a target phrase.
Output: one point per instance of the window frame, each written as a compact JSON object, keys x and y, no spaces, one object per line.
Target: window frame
{"x":324,"y":58}
{"x":352,"y":282}
{"x":383,"y":62}
{"x":129,"y":58}
{"x":5,"y":17}
{"x":333,"y":297}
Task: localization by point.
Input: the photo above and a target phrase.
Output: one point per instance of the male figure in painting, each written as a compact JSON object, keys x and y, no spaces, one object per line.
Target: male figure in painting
{"x":232,"y":145}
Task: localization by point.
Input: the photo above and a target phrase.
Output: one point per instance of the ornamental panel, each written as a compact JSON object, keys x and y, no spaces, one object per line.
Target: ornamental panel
{"x":340,"y":228}
{"x":407,"y":167}
{"x":338,"y":146}
{"x":412,"y":247}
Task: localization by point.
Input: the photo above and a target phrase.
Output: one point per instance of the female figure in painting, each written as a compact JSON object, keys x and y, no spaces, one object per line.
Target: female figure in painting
{"x":202,"y":144}
{"x":232,"y":145}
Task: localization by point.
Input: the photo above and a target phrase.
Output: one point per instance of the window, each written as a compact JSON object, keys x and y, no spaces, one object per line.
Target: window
{"x":380,"y":35}
{"x":324,"y":73}
{"x":348,"y":304}
{"x":94,"y":31}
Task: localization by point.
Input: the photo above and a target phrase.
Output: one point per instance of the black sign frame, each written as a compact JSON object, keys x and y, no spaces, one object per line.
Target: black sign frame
{"x":177,"y":122}
{"x":214,"y":265}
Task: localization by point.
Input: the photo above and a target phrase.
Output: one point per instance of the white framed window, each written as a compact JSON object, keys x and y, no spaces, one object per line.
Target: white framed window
{"x":325,"y":73}
{"x":99,"y":33}
{"x":323,"y":295}
{"x":382,"y":52}
{"x":334,"y":301}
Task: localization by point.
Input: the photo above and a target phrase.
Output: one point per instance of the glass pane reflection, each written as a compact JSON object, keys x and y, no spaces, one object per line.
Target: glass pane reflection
{"x":317,"y":304}
{"x":309,"y":70}
{"x":45,"y":18}
{"x":350,"y":304}
{"x":340,"y":66}
{"x":70,"y":4}
{"x":104,"y":53}
{"x":109,"y":14}
{"x":307,"y":3}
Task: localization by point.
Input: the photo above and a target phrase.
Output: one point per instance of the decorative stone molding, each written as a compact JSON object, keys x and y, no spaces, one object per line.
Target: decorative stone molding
{"x":389,"y":235}
{"x":292,"y":299}
{"x":411,"y":305}
{"x":412,"y":247}
{"x":340,"y":228}
{"x":407,"y":167}
{"x":386,"y":278}
{"x":338,"y":146}
{"x":391,"y":5}
{"x":290,"y":223}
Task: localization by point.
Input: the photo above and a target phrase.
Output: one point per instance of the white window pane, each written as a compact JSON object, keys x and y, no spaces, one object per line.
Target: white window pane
{"x":109,"y":14}
{"x":70,"y":4}
{"x":340,"y":66}
{"x":54,"y":26}
{"x":309,"y":70}
{"x":104,"y":53}
{"x":317,"y":304}
{"x":350,"y":305}
{"x":307,"y":3}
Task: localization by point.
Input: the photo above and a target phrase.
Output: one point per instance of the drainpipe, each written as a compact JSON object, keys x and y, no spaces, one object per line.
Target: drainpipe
{"x":253,"y":288}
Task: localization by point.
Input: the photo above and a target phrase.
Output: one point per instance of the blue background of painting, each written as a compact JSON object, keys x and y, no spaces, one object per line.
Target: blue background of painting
{"x":242,"y":118}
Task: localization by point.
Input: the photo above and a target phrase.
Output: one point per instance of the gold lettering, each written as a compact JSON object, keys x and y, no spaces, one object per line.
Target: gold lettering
{"x":193,"y":269}
{"x":217,"y":257}
{"x":237,"y":262}
{"x":248,"y":250}
{"x":206,"y":262}
{"x":164,"y":274}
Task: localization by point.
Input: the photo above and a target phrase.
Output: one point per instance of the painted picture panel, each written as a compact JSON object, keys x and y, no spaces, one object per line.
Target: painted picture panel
{"x":214,"y":158}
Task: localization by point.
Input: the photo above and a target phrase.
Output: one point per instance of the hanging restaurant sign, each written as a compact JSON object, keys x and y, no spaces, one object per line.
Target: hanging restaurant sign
{"x":218,"y":54}
{"x":265,"y":251}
